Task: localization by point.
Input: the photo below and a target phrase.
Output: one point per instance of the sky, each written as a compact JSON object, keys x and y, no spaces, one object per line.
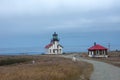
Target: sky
{"x":79,"y":23}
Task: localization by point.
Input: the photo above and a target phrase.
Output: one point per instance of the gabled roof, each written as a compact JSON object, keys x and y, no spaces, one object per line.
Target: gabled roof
{"x":97,"y":47}
{"x":48,"y":46}
{"x":60,"y":45}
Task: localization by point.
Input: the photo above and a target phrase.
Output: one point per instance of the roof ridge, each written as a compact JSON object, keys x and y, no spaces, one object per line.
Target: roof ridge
{"x":97,"y":47}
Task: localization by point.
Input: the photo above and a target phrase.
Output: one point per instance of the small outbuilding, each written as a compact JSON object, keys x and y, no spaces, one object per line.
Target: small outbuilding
{"x":97,"y":51}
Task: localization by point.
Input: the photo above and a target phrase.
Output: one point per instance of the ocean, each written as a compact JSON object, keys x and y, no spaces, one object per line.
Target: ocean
{"x":21,"y":51}
{"x":36,"y":50}
{"x":41,"y":50}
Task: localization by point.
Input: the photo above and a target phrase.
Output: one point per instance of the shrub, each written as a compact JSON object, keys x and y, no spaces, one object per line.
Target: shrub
{"x":10,"y":61}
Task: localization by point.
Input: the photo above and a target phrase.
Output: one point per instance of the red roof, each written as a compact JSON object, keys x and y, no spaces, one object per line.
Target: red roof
{"x":97,"y":47}
{"x":49,"y":45}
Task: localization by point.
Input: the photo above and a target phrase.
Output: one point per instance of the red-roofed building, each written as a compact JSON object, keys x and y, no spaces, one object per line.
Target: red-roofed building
{"x":54,"y":47}
{"x":48,"y":46}
{"x":97,"y":51}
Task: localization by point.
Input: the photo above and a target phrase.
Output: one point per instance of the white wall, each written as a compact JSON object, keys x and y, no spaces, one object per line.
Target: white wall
{"x":55,"y":49}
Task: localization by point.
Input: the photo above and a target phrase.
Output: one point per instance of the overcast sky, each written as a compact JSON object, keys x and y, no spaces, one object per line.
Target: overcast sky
{"x":41,"y":17}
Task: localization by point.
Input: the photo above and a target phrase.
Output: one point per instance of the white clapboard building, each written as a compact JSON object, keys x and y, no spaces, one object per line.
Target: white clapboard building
{"x":97,"y":51}
{"x":54,"y":47}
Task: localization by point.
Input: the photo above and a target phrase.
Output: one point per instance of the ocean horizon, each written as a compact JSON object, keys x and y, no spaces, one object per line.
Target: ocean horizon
{"x":41,"y":50}
{"x":34,"y":50}
{"x":20,"y":51}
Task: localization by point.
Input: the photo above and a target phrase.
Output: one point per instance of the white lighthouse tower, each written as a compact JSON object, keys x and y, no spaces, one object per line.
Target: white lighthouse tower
{"x":54,"y":47}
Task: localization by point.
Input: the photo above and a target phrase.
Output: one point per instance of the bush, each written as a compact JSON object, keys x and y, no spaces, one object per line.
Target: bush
{"x":10,"y":61}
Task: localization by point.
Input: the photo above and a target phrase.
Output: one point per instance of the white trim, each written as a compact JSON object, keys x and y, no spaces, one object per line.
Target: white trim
{"x":55,"y":48}
{"x":92,"y":53}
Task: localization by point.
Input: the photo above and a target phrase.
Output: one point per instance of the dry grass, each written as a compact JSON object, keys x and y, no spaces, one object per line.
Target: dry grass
{"x":46,"y":68}
{"x":114,"y":59}
{"x":111,"y":60}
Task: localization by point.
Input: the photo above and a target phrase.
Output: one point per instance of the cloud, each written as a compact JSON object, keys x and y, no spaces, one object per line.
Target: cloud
{"x":40,"y":16}
{"x":53,"y":6}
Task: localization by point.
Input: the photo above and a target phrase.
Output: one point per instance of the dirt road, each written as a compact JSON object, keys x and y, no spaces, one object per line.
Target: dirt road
{"x":102,"y":71}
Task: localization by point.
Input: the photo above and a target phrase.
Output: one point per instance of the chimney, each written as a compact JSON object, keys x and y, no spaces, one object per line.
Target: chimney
{"x":94,"y":43}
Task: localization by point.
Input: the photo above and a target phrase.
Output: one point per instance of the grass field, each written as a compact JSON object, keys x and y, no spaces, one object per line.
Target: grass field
{"x":45,"y":68}
{"x":114,"y":58}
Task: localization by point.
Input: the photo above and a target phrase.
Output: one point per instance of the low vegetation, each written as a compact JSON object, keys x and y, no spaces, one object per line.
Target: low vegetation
{"x":47,"y":68}
{"x":111,"y":60}
{"x":114,"y":58}
{"x":10,"y":61}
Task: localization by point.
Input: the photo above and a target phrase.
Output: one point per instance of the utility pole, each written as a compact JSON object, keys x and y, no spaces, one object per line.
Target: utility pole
{"x":109,"y":47}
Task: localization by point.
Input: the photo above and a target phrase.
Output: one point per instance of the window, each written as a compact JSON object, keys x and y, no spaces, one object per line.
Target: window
{"x":97,"y":52}
{"x":100,"y":52}
{"x":53,"y":50}
{"x":57,"y":46}
{"x":60,"y":50}
{"x":50,"y":50}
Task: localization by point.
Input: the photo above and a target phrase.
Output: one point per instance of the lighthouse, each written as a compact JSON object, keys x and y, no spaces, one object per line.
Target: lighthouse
{"x":54,"y":47}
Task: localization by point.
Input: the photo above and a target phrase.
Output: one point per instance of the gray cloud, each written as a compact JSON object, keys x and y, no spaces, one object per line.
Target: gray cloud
{"x":39,"y":16}
{"x":54,"y":6}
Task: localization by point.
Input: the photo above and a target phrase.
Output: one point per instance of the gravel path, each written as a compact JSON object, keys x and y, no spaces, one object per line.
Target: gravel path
{"x":102,"y":71}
